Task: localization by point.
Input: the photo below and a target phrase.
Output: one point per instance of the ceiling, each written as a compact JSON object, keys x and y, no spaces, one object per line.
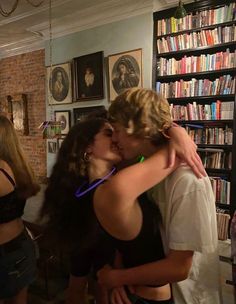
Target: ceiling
{"x":27,"y":28}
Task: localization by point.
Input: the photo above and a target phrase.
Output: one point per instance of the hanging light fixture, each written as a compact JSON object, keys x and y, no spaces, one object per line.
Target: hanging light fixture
{"x":180,"y":11}
{"x":50,"y":128}
{"x":14,"y":6}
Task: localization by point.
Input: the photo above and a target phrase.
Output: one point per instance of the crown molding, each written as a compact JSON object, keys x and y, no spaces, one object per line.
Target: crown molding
{"x":24,"y":46}
{"x":159,"y":5}
{"x":34,"y":11}
{"x":96,"y":15}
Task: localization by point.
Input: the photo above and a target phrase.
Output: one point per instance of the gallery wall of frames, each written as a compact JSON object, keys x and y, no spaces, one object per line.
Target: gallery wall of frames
{"x":82,"y":80}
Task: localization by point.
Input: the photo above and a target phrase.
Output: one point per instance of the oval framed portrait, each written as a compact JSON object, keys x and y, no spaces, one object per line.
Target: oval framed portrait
{"x":125,"y":71}
{"x":59,"y":84}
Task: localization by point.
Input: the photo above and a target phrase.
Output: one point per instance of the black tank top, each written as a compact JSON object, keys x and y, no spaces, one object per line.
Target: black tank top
{"x":11,"y":206}
{"x":147,"y":246}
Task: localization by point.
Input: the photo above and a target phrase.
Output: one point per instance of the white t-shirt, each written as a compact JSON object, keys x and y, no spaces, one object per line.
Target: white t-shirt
{"x":187,"y":205}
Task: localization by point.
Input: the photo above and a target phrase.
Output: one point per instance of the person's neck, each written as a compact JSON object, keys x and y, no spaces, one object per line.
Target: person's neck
{"x":97,"y":171}
{"x":149,"y":148}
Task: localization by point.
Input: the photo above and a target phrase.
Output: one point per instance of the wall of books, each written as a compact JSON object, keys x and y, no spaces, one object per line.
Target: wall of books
{"x":194,"y":67}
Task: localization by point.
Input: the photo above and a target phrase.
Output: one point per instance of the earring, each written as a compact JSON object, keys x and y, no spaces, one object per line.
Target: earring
{"x":86,"y":157}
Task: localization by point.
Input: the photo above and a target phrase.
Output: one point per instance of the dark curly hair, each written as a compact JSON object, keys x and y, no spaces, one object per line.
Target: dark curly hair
{"x":70,"y":222}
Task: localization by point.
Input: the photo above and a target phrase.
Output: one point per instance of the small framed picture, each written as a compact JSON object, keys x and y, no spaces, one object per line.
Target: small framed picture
{"x":81,"y":113}
{"x":59,"y":85}
{"x":87,"y":73}
{"x":64,"y":118}
{"x":17,"y":105}
{"x":125,"y":71}
{"x":59,"y":142}
{"x":52,"y":146}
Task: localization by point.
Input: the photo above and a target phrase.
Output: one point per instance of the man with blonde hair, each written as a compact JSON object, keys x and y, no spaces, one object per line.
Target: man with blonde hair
{"x":141,"y":119}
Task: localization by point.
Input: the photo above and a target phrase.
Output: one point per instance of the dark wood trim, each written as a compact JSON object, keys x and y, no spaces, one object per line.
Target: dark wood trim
{"x":229,"y":97}
{"x":191,"y":7}
{"x":198,"y":29}
{"x":207,"y":74}
{"x":199,"y":50}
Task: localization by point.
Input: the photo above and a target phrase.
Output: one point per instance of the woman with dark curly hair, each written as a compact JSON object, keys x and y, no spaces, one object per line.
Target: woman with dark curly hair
{"x":78,"y":202}
{"x":72,"y":225}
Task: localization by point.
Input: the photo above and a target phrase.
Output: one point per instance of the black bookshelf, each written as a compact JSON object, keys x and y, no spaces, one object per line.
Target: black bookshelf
{"x":194,"y":8}
{"x":198,"y":29}
{"x":201,"y":99}
{"x":226,"y":147}
{"x":205,"y":122}
{"x":202,"y":49}
{"x":197,"y":75}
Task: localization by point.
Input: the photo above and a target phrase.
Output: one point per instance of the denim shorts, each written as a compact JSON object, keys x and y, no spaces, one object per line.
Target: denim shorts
{"x":17,"y":265}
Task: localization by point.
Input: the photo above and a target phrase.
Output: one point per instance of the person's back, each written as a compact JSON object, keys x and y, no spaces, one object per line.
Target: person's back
{"x":17,"y":252}
{"x":187,"y":205}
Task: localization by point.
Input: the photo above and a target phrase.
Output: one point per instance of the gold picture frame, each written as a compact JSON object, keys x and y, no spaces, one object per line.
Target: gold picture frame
{"x":59,"y":85}
{"x":125,"y":71}
{"x":17,"y":106}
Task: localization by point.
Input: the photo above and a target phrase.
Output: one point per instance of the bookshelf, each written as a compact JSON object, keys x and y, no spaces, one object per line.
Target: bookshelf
{"x":194,"y":67}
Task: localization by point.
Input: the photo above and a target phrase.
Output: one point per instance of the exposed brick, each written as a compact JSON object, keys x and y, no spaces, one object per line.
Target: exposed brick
{"x":25,"y":73}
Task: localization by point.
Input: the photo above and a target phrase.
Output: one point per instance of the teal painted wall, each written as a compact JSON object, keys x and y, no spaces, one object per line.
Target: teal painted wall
{"x":112,"y":38}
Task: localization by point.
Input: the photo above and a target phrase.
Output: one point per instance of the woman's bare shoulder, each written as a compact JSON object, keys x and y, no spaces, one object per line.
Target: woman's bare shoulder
{"x":6,"y":185}
{"x":4,"y":165}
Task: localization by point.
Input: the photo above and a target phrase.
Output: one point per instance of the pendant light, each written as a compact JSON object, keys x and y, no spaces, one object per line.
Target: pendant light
{"x":50,"y":128}
{"x":180,"y":11}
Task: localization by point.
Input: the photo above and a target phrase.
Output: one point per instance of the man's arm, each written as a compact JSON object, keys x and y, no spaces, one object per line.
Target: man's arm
{"x":175,"y":267}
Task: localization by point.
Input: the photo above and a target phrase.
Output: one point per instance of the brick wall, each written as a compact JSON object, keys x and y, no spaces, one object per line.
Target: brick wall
{"x":25,"y":73}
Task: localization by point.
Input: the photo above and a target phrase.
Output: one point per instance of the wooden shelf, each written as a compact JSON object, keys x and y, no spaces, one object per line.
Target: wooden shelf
{"x":225,"y":147}
{"x":206,"y":74}
{"x":205,"y":122}
{"x":198,"y":29}
{"x":229,"y":282}
{"x":201,"y":49}
{"x":184,"y":100}
{"x":223,"y":206}
{"x":218,"y":171}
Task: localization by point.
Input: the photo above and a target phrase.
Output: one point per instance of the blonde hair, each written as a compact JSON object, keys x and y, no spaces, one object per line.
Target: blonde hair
{"x":143,"y":113}
{"x":11,"y":152}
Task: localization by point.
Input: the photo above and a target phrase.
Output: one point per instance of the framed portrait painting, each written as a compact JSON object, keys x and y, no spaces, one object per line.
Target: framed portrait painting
{"x":64,"y":118}
{"x":81,"y":113}
{"x":87,"y":73}
{"x":52,"y":146}
{"x":125,"y":71}
{"x":17,"y":106}
{"x":59,"y":142}
{"x":59,"y":84}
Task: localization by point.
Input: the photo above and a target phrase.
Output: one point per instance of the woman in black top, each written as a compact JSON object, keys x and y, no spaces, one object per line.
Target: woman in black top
{"x":85,"y":166}
{"x":17,"y":183}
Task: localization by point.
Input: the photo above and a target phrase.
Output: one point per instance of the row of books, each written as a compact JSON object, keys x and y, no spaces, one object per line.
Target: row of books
{"x":211,"y":136}
{"x":195,"y":64}
{"x":222,"y":225}
{"x":200,"y":19}
{"x":197,"y":87}
{"x":215,"y":158}
{"x":193,"y":111}
{"x":203,"y":38}
{"x":221,"y":189}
